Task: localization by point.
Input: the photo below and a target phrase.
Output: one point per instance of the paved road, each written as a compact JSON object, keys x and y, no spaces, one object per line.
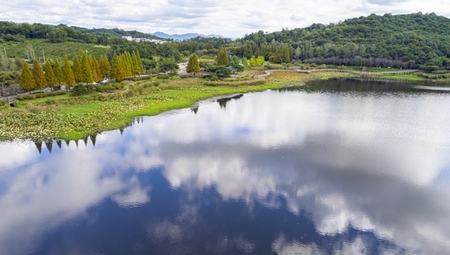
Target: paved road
{"x":269,"y":72}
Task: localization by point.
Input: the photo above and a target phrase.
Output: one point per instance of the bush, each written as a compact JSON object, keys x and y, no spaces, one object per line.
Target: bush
{"x":81,"y":89}
{"x":163,"y":76}
{"x":141,"y":78}
{"x":118,"y":85}
{"x":430,"y":68}
{"x":26,"y":97}
{"x":105,"y":88}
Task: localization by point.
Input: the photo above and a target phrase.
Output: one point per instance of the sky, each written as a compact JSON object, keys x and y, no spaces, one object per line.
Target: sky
{"x":231,"y":18}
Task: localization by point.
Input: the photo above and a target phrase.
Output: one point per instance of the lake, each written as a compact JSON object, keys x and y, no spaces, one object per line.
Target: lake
{"x":337,"y":167}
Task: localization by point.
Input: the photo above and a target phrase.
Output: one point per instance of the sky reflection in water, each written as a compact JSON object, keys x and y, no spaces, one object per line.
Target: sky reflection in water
{"x":284,"y":172}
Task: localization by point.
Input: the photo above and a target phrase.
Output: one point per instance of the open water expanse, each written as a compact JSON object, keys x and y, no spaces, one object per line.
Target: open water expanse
{"x":336,"y":168}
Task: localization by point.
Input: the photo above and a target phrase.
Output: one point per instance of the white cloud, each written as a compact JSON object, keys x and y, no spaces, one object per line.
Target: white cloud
{"x":228,"y":18}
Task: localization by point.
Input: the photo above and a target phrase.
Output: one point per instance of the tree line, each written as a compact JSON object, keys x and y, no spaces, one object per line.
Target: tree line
{"x":11,"y":31}
{"x":411,"y":40}
{"x":84,"y":70}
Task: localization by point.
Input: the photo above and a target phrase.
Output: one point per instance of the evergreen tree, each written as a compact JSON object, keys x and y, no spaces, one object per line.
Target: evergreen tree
{"x":105,"y":67}
{"x":59,"y":75}
{"x":193,"y":65}
{"x":96,"y":71}
{"x":76,"y":70}
{"x":26,"y":79}
{"x":86,"y":70}
{"x":69,"y":78}
{"x":127,"y":61}
{"x":49,"y":74}
{"x":222,"y":58}
{"x":139,"y":61}
{"x":118,"y":71}
{"x":38,"y":74}
{"x":135,"y":64}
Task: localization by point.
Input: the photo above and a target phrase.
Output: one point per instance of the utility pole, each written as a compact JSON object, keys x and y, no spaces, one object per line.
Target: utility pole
{"x":6,"y":55}
{"x":43,"y":54}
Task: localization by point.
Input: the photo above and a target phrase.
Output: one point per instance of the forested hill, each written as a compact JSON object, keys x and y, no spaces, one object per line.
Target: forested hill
{"x":412,"y":39}
{"x":11,"y":31}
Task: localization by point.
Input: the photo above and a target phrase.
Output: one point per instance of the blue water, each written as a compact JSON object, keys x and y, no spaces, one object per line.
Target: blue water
{"x":277,"y":172}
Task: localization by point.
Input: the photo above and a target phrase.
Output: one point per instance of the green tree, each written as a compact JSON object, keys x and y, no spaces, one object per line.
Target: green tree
{"x":38,"y":74}
{"x":168,"y":65}
{"x":49,"y":74}
{"x":137,"y":64}
{"x":69,"y":78}
{"x":222,"y":58}
{"x":127,"y":61}
{"x":26,"y":79}
{"x":193,"y":65}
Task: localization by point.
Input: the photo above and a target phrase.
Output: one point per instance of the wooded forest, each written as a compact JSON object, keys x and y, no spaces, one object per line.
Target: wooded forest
{"x":402,"y":41}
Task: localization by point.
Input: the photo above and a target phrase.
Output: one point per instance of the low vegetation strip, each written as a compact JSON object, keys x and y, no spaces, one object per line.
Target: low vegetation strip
{"x":73,"y":117}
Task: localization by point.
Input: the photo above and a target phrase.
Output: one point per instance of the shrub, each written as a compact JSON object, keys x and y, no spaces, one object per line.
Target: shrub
{"x":81,"y":89}
{"x":105,"y":88}
{"x":163,"y":76}
{"x":26,"y":97}
{"x":118,"y":86}
{"x":141,"y":78}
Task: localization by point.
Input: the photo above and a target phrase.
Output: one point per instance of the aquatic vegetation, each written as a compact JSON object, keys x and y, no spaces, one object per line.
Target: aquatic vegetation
{"x":73,"y":117}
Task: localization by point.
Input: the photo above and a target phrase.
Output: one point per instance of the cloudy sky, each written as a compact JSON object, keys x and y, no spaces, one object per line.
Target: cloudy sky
{"x":232,"y":18}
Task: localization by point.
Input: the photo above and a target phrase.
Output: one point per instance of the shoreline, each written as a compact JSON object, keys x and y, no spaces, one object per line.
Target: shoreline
{"x":148,"y":106}
{"x":96,"y":113}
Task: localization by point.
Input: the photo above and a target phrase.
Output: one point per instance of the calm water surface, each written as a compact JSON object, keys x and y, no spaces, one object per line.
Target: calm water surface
{"x":277,"y":172}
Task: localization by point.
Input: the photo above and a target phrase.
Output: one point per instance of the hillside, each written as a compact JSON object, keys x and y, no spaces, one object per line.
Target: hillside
{"x":412,"y":39}
{"x":40,"y":47}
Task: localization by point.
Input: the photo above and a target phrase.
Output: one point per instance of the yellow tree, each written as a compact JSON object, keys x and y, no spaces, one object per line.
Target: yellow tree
{"x":135,"y":64}
{"x":86,"y":70}
{"x":222,"y":57}
{"x":193,"y":65}
{"x":76,"y":70}
{"x":69,"y":78}
{"x":59,"y":75}
{"x":26,"y":79}
{"x":105,"y":67}
{"x":96,"y":70}
{"x":118,"y":71}
{"x":38,"y":74}
{"x":49,"y":74}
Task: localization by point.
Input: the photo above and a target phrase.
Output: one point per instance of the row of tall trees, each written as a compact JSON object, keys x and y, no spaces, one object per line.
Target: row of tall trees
{"x":85,"y":69}
{"x":126,"y":65}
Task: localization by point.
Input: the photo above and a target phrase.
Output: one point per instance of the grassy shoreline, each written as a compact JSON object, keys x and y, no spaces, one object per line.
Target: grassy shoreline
{"x":75,"y":117}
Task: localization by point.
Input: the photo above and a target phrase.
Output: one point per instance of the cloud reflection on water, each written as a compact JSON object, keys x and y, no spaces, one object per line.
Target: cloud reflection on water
{"x":346,"y":160}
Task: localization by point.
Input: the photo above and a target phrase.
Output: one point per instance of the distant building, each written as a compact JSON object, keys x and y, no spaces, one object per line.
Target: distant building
{"x":129,"y":38}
